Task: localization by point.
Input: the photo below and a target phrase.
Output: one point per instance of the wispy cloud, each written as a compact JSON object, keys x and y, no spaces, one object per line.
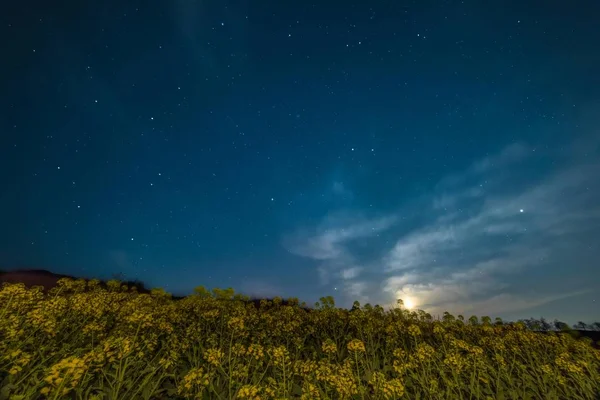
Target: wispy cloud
{"x":339,"y":189}
{"x":484,"y":249}
{"x":330,"y":242}
{"x":510,"y":154}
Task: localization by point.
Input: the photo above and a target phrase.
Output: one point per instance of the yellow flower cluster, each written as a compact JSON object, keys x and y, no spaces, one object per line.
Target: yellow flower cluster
{"x":64,"y":376}
{"x":194,"y":382}
{"x":329,"y":347}
{"x":214,"y":356}
{"x":356,"y":345}
{"x":84,"y":341}
{"x":389,"y":389}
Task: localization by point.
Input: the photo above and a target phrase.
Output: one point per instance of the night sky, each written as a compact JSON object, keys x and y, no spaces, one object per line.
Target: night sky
{"x":446,"y":152}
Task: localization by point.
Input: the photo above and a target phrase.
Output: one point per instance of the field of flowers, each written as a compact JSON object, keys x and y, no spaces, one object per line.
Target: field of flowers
{"x":82,"y":341}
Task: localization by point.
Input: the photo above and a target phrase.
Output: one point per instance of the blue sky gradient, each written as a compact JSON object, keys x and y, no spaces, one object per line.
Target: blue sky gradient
{"x":447,"y":153}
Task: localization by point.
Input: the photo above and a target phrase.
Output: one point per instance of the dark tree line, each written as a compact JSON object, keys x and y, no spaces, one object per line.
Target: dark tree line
{"x":547,"y":326}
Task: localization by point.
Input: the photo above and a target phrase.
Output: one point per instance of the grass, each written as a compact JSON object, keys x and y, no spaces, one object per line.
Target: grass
{"x":83,"y":340}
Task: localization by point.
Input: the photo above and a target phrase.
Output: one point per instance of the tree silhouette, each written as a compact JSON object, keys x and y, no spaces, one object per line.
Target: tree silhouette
{"x":581,"y":326}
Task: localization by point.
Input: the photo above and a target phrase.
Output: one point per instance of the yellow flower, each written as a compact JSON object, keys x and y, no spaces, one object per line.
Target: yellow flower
{"x":238,"y":349}
{"x":329,"y":347}
{"x":476,"y":350}
{"x":255,"y":351}
{"x":324,"y":371}
{"x":210,"y":314}
{"x":500,"y":360}
{"x":377,"y":381}
{"x":487,"y":329}
{"x":454,"y":361}
{"x":15,"y":370}
{"x":400,"y":367}
{"x":93,"y":328}
{"x":564,"y":362}
{"x":240,"y":372}
{"x":547,"y":369}
{"x":236,"y":324}
{"x":305,"y":367}
{"x":425,"y":352}
{"x":344,"y":382}
{"x":66,"y":374}
{"x":414,"y":330}
{"x":400,"y":354}
{"x":280,"y":356}
{"x":195,"y":381}
{"x":214,"y":356}
{"x":460,"y":344}
{"x":310,"y":392}
{"x":249,"y":392}
{"x":438,"y":329}
{"x":393,"y":389}
{"x":356,"y":345}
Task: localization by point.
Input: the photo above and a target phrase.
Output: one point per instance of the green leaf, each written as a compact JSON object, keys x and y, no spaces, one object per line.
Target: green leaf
{"x":6,"y":390}
{"x":296,"y":389}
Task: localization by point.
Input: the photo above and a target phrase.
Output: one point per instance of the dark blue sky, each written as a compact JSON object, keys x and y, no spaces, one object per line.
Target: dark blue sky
{"x":443,"y":152}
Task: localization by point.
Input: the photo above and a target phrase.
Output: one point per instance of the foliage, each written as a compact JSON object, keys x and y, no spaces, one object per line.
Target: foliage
{"x":82,"y":340}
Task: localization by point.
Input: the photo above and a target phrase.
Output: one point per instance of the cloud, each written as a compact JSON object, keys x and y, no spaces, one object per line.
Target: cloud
{"x":329,"y":242}
{"x":504,"y":303}
{"x":510,"y":154}
{"x":482,"y":249}
{"x":339,"y":189}
{"x":350,"y":273}
{"x":495,"y":240}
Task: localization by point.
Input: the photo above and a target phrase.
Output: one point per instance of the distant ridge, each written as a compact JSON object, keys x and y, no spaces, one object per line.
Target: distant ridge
{"x":42,"y":277}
